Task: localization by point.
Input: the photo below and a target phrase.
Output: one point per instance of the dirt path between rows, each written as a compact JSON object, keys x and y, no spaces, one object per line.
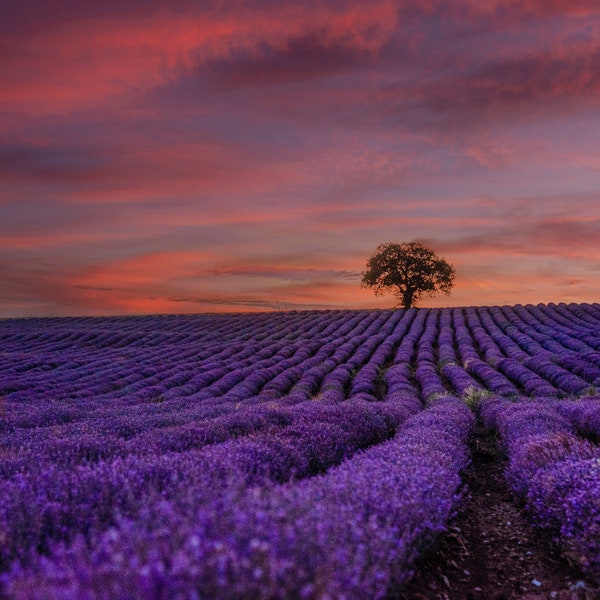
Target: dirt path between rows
{"x":491,"y":551}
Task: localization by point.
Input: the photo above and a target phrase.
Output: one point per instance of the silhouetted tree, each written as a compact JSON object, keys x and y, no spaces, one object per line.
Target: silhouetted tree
{"x":407,"y":270}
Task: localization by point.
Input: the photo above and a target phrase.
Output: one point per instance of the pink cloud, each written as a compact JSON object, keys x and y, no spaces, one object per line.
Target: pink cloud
{"x":98,"y":60}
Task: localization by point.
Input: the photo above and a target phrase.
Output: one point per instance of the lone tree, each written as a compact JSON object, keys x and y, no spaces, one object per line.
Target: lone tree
{"x":407,"y":270}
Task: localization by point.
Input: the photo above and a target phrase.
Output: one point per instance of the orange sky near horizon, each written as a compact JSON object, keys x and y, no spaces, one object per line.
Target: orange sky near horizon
{"x":249,"y":155}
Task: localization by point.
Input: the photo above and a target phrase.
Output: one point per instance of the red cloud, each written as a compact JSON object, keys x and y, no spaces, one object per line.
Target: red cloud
{"x":83,"y":62}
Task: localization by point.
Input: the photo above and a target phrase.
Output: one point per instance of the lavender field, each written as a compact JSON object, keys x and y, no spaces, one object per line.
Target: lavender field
{"x":296,"y":455}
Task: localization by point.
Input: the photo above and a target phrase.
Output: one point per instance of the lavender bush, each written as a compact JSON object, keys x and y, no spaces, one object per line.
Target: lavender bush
{"x":556,"y":472}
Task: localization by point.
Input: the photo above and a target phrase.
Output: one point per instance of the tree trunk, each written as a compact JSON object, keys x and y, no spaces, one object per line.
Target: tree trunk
{"x":407,"y":298}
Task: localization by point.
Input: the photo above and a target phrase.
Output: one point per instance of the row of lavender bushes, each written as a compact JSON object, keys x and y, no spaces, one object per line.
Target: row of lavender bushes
{"x":353,"y":532}
{"x":553,"y":469}
{"x":57,"y":497}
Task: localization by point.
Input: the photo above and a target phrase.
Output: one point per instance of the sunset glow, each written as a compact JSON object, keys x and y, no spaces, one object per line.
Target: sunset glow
{"x":250,"y":155}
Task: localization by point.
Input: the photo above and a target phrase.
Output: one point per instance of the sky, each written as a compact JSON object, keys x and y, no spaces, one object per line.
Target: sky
{"x":228,"y":155}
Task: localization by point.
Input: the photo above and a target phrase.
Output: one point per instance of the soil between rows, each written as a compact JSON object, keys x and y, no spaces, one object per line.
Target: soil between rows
{"x":491,"y":551}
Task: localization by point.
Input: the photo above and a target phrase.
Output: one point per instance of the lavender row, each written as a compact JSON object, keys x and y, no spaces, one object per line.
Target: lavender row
{"x":352,"y":533}
{"x":143,"y":432}
{"x":53,"y":500}
{"x":398,"y":377}
{"x":584,"y":414}
{"x":555,"y":471}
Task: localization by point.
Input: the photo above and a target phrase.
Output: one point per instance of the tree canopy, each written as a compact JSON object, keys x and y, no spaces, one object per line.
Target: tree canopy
{"x":407,"y":270}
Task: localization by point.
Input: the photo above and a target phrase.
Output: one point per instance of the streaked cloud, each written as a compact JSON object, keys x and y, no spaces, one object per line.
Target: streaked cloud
{"x":292,"y":274}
